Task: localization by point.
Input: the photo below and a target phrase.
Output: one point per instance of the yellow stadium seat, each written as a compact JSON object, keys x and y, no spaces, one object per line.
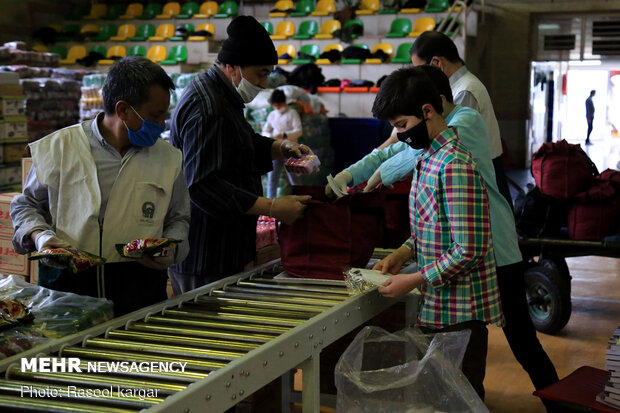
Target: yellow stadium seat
{"x":57,"y":27}
{"x":40,"y":48}
{"x":170,"y":10}
{"x":163,"y":32}
{"x":422,"y":25}
{"x":156,"y":54}
{"x":327,"y":28}
{"x":282,"y":5}
{"x":286,"y":49}
{"x":333,"y":46}
{"x":89,"y":30}
{"x":204,"y":26}
{"x":207,"y":9}
{"x":368,"y":7}
{"x":283,"y":31}
{"x":324,"y":8}
{"x":75,"y":53}
{"x":112,"y":52}
{"x":97,"y":11}
{"x":124,"y":33}
{"x":385,"y":47}
{"x":133,"y":11}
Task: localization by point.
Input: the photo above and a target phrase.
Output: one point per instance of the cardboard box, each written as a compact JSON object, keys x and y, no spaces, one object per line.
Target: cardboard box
{"x":13,"y":127}
{"x":10,"y":78}
{"x":14,"y":152}
{"x":12,"y":105}
{"x":6,"y":224}
{"x":26,"y":164}
{"x":10,"y":261}
{"x":34,"y":272}
{"x":10,"y":175}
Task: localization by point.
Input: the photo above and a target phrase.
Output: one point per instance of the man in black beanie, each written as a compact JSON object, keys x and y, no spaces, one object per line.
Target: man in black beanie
{"x":223,"y":159}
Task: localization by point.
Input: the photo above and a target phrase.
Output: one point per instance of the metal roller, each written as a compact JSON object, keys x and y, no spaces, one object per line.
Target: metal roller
{"x":109,"y":355}
{"x":265,"y":304}
{"x":211,"y":304}
{"x":216,"y":315}
{"x":322,"y":304}
{"x":22,"y":404}
{"x":299,"y":281}
{"x":204,"y":353}
{"x":113,"y":395}
{"x":255,"y":328}
{"x":295,"y":287}
{"x":95,"y":380}
{"x":196,"y":332}
{"x":175,"y":339}
{"x":285,"y":293}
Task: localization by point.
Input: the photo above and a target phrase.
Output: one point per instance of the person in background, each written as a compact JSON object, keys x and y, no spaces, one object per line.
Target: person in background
{"x":399,"y":159}
{"x":224,"y":159}
{"x":590,"y":115}
{"x":439,"y":50}
{"x":109,"y":181}
{"x":450,"y":223}
{"x":282,"y":123}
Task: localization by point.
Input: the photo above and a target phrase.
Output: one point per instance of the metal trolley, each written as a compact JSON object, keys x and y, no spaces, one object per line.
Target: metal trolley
{"x":236,"y":335}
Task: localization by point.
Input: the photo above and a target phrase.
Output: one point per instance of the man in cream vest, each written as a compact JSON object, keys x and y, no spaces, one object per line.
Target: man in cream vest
{"x":437,"y":49}
{"x":105,"y":182}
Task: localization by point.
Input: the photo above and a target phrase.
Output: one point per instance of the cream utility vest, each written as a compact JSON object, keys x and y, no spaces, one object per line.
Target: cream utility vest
{"x":472,"y":84}
{"x":138,"y":201}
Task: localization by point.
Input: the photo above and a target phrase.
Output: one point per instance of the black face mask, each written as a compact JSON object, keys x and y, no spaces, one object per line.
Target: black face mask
{"x":416,"y":136}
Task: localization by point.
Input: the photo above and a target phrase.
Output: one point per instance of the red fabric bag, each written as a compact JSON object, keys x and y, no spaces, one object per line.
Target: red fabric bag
{"x":562,"y":170}
{"x":595,"y":213}
{"x":332,"y":235}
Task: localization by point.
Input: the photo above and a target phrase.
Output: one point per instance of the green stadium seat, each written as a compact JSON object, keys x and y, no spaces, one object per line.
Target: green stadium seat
{"x":309,"y":49}
{"x":399,"y":28}
{"x":143,"y":33}
{"x":307,"y":29}
{"x":227,"y":9}
{"x":176,"y":55}
{"x":188,"y":10}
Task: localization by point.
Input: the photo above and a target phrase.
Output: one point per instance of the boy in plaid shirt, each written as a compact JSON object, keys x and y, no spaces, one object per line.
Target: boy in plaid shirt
{"x":450,"y":224}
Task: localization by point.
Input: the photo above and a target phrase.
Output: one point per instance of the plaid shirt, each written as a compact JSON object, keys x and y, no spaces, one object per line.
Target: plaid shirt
{"x":451,"y":235}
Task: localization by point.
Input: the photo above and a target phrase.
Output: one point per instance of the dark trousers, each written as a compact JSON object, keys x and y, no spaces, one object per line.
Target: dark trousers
{"x":590,"y":126}
{"x":500,"y":179}
{"x":475,"y":358}
{"x":131,"y":286}
{"x":519,"y":329}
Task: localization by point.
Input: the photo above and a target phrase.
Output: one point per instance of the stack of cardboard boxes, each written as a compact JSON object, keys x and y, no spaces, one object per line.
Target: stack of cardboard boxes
{"x":13,"y":131}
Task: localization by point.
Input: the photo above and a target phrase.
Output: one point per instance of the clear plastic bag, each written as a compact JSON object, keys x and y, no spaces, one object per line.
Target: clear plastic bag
{"x":405,"y":372}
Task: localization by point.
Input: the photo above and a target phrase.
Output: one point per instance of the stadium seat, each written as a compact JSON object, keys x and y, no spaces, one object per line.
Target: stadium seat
{"x":89,"y":31}
{"x":309,"y":49}
{"x":124,"y":33}
{"x":188,"y":26}
{"x":114,"y":11}
{"x":327,"y":28}
{"x":399,"y":28}
{"x":59,"y":50}
{"x":389,"y":10}
{"x":288,"y":49}
{"x":151,"y":11}
{"x":204,"y":26}
{"x":303,"y":8}
{"x":351,"y":23}
{"x":226,"y":10}
{"x":68,"y":32}
{"x":170,"y":10}
{"x":41,"y":48}
{"x":105,"y":32}
{"x":333,"y":46}
{"x":207,"y":9}
{"x":156,"y":53}
{"x":324,"y":8}
{"x":355,"y":61}
{"x":176,"y":55}
{"x":136,"y":51}
{"x":422,"y":25}
{"x":437,"y":6}
{"x":78,"y":11}
{"x":402,"y":53}
{"x":98,"y":49}
{"x":132,"y":12}
{"x":188,"y":10}
{"x":386,"y":48}
{"x":282,"y":8}
{"x":114,"y":51}
{"x":307,"y":29}
{"x":97,"y":11}
{"x":75,"y":53}
{"x":283,"y":31}
{"x":368,"y":7}
{"x":143,"y":33}
{"x":163,"y":32}
{"x":268,"y":27}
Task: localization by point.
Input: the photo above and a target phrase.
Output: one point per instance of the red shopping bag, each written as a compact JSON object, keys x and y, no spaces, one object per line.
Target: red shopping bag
{"x":332,"y":235}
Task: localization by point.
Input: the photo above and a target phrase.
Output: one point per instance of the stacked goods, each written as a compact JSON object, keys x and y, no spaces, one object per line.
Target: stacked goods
{"x":266,"y":232}
{"x":91,"y":102}
{"x":13,"y":131}
{"x":152,"y":247}
{"x":15,"y":53}
{"x":611,"y":395}
{"x":305,"y":165}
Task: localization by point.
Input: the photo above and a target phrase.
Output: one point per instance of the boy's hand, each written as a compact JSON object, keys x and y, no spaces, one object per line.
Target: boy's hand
{"x":394,"y":262}
{"x":399,"y":285}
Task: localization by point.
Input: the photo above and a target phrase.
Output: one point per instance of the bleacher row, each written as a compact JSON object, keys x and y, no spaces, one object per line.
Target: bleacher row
{"x":138,"y":34}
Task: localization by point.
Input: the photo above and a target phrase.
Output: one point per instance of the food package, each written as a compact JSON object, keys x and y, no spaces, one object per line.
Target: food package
{"x":19,"y":339}
{"x":13,"y":312}
{"x":306,"y":165}
{"x":153,"y":247}
{"x":73,"y":259}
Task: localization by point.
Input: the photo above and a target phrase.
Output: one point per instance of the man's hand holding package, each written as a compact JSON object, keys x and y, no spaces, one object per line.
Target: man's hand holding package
{"x":45,"y":240}
{"x":399,"y":285}
{"x":395,"y":261}
{"x":161,"y":262}
{"x":288,"y":209}
{"x":290,"y":149}
{"x":342,"y":179}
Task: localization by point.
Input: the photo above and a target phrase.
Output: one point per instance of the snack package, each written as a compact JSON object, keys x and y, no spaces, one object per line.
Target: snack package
{"x":153,"y":247}
{"x":73,"y":259}
{"x":306,"y":165}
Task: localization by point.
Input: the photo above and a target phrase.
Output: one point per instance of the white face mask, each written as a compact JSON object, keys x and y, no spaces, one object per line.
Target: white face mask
{"x":282,"y":109}
{"x":247,"y":89}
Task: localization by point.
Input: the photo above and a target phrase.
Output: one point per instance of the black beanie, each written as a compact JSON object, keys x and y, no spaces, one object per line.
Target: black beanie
{"x":248,"y":44}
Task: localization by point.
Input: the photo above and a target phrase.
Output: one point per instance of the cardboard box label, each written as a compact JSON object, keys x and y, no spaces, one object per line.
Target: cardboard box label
{"x":6,"y":224}
{"x":10,"y":261}
{"x":12,"y":106}
{"x":10,"y":129}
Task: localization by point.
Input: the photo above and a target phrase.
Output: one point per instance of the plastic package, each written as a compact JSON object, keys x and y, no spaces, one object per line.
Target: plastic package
{"x":306,"y":165}
{"x":19,"y":339}
{"x":405,"y":372}
{"x":153,"y":247}
{"x":73,"y":259}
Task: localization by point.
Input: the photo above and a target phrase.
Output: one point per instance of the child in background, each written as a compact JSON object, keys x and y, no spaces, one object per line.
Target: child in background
{"x":282,"y":123}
